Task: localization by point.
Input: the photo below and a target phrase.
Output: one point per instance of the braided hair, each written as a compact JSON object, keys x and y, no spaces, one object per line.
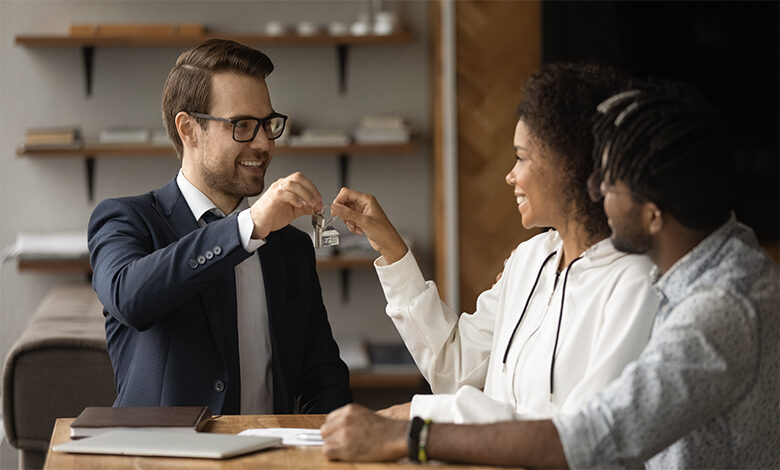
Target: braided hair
{"x":669,"y":146}
{"x":558,"y":101}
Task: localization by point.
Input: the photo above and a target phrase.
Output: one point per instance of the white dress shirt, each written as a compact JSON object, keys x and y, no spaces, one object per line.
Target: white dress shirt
{"x":254,"y":341}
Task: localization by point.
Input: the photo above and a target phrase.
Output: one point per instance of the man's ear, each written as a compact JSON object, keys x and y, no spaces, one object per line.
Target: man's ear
{"x":187,"y":128}
{"x":654,"y":218}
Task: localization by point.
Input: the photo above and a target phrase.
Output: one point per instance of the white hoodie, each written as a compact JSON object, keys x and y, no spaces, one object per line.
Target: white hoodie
{"x":608,"y":313}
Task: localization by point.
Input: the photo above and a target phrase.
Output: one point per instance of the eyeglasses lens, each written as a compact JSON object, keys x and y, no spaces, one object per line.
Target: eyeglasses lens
{"x":274,"y":127}
{"x":244,"y":129}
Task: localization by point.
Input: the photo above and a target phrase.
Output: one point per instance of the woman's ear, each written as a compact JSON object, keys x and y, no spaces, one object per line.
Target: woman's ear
{"x":186,"y":126}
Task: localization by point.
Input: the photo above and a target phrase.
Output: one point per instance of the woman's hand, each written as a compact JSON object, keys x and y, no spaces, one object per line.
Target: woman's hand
{"x":364,"y":216}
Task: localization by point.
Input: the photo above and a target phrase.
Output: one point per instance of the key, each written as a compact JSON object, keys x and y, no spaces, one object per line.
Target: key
{"x":323,"y":233}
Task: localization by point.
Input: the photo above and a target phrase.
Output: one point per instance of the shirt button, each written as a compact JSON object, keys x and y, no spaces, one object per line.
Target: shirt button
{"x":209,"y":254}
{"x":219,"y":386}
{"x":217,"y":250}
{"x":201,"y":259}
{"x":193,"y":264}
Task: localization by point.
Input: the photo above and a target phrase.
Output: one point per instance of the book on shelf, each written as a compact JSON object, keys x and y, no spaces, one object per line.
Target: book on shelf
{"x":111,"y":30}
{"x":319,"y":137}
{"x":69,"y":137}
{"x":382,"y":136}
{"x":382,"y":121}
{"x":48,"y":245}
{"x":382,"y":129}
{"x":124,"y":135}
{"x":100,"y":419}
{"x":361,"y":355}
{"x":161,"y":139}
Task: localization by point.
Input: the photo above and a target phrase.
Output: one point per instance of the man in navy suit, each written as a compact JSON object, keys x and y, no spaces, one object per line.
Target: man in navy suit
{"x":210,"y":301}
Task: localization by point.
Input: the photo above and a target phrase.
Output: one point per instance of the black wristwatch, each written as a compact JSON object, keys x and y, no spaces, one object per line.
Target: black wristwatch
{"x":417,"y":439}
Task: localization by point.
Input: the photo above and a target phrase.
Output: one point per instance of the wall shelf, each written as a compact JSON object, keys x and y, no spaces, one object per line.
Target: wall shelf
{"x":32,"y":40}
{"x":92,"y":151}
{"x":89,"y":43}
{"x":147,"y":150}
{"x":81,"y":265}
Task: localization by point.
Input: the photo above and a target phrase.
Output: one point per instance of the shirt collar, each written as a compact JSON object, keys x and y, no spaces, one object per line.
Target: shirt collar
{"x":674,"y":283}
{"x":198,"y":202}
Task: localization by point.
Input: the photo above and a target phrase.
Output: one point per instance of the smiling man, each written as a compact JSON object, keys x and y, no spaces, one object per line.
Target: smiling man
{"x":704,"y":391}
{"x":210,"y":301}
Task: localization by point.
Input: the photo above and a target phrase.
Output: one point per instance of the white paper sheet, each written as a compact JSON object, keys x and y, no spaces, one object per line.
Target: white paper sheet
{"x":290,"y":436}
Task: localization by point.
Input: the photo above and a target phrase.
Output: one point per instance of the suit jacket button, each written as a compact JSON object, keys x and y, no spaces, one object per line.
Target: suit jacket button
{"x":193,"y":264}
{"x":217,"y":250}
{"x":219,"y":386}
{"x":201,"y":259}
{"x":209,"y":254}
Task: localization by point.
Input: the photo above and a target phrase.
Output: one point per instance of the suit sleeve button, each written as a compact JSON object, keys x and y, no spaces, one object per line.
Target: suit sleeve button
{"x":201,"y":259}
{"x":217,"y":250}
{"x":193,"y":264}
{"x":209,"y":254}
{"x":219,"y":386}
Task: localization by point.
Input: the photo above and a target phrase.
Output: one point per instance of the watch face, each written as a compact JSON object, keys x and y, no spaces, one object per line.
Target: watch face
{"x":413,"y":439}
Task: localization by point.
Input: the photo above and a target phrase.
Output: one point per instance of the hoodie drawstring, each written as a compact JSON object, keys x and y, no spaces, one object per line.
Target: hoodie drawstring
{"x":560,"y":316}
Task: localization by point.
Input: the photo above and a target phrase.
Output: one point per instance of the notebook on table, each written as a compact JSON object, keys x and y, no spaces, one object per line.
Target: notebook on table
{"x":151,"y":443}
{"x":99,"y":419}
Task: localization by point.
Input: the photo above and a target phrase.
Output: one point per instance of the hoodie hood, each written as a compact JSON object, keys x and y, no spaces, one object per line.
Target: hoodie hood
{"x":599,"y":254}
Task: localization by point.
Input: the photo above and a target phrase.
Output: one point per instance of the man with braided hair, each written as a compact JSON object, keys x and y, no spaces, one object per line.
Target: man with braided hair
{"x":704,"y":392}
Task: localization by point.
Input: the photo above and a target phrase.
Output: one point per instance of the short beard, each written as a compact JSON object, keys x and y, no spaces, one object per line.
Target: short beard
{"x":233,"y":186}
{"x":226,"y":179}
{"x":637,"y":243}
{"x":630,"y":237}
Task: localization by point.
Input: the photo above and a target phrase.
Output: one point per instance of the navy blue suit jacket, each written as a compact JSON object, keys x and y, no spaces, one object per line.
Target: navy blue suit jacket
{"x":168,"y":291}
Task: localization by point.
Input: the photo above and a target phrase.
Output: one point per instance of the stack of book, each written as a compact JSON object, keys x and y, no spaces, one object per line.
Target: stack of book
{"x":320,"y":138}
{"x":63,"y":137}
{"x":124,"y":135}
{"x":382,"y":129}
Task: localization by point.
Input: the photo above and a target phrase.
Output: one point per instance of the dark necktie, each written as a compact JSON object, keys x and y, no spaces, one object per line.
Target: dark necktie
{"x":210,"y":217}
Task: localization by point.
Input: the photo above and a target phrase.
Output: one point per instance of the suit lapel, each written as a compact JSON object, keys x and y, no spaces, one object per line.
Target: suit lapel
{"x":176,"y":213}
{"x":174,"y":210}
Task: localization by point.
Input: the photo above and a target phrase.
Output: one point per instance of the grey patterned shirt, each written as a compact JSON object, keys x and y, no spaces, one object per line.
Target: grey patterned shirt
{"x":705,"y":392}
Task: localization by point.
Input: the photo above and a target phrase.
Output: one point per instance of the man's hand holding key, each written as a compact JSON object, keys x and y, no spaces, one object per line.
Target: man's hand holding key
{"x":284,"y":201}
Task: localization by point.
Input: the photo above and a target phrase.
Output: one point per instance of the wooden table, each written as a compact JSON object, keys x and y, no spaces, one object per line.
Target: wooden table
{"x":279,"y":458}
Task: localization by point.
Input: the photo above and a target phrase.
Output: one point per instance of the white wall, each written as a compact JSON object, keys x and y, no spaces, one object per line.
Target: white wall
{"x":45,"y":87}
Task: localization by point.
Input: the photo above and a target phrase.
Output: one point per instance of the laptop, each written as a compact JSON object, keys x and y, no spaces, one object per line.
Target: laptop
{"x":169,"y":444}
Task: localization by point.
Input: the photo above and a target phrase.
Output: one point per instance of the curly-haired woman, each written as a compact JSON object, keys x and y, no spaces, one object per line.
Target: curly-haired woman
{"x":568,"y":313}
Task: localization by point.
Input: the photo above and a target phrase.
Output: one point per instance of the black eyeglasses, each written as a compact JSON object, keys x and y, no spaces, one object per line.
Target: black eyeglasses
{"x":245,"y":129}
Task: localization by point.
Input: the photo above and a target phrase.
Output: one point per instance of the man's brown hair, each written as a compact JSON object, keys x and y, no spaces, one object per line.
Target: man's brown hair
{"x":188,"y":87}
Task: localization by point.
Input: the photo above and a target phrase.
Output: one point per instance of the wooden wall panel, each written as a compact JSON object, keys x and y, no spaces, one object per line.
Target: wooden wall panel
{"x":498,"y":46}
{"x":437,"y":128}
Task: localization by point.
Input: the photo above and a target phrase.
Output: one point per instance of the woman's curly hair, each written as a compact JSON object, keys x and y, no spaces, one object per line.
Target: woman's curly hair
{"x":558,"y":103}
